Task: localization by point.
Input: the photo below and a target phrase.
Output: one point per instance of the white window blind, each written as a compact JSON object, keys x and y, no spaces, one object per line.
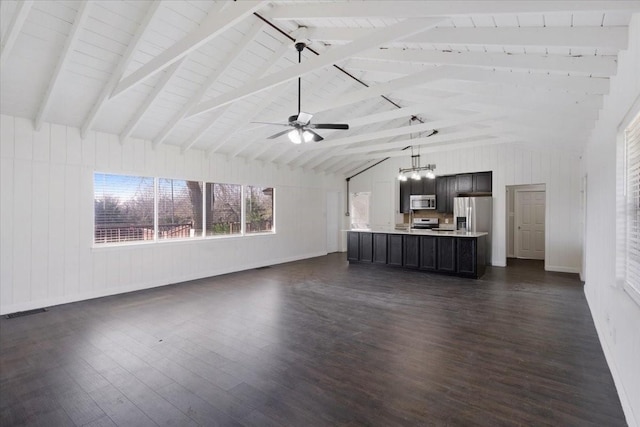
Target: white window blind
{"x":179,"y":208}
{"x":223,"y":209}
{"x":123,"y":208}
{"x":632,"y":176}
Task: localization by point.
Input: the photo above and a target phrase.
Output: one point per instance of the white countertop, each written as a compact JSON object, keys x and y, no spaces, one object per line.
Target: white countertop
{"x":453,"y":233}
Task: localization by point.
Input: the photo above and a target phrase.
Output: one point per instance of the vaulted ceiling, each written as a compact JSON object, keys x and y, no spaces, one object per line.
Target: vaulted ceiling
{"x":197,"y":74}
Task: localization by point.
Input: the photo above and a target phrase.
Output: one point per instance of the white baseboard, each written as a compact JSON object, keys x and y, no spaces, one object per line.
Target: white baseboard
{"x":99,"y":293}
{"x":617,"y":378}
{"x":562,"y":269}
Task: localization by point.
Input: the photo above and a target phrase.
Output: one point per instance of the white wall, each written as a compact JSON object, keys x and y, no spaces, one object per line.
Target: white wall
{"x":46,"y":216}
{"x":616,"y":315}
{"x":511,"y":165}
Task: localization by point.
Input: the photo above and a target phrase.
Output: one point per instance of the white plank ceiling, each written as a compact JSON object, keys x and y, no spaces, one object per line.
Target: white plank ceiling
{"x":196,"y":74}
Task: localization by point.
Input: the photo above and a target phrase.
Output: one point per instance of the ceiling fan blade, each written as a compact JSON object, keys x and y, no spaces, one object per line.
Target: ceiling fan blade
{"x":341,"y":126}
{"x":274,"y":136}
{"x":272,"y":123}
{"x":316,"y":137}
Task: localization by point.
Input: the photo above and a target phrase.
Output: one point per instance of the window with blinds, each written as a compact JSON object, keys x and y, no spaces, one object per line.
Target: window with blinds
{"x":223,"y":209}
{"x":179,"y":209}
{"x":138,"y":208}
{"x":258,"y":209}
{"x":632,"y":197}
{"x":123,"y":208}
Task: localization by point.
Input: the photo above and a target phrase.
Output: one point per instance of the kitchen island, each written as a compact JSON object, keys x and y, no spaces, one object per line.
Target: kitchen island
{"x":456,"y":253}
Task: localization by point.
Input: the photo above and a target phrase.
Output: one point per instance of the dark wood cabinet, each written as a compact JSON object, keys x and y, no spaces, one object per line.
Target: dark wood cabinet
{"x":405,"y":192}
{"x":464,"y":183}
{"x":416,"y":186}
{"x":450,"y":186}
{"x":379,"y":248}
{"x":428,"y":253}
{"x":353,"y":246}
{"x":411,"y":251}
{"x":466,"y":256}
{"x":366,"y":247}
{"x":442,"y":192}
{"x":424,"y":186}
{"x":445,"y":192}
{"x":446,"y":254}
{"x":394,"y":249}
{"x":412,"y":187}
{"x":482,"y":182}
{"x":429,"y":186}
{"x":460,"y":256}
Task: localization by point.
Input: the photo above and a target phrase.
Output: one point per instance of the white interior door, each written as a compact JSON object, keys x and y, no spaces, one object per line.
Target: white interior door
{"x":333,"y":221}
{"x":530,"y":212}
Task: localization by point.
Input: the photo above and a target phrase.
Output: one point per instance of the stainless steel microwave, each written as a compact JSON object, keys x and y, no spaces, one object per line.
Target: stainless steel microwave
{"x":417,"y":202}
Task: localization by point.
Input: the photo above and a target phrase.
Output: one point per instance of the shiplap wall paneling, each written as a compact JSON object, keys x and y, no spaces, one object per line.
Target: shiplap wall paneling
{"x":57,"y":240}
{"x":6,"y":208}
{"x":39,"y":261}
{"x":71,"y":225}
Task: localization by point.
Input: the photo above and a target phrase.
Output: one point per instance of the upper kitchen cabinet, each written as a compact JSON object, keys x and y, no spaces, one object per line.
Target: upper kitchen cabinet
{"x":482,"y":182}
{"x":412,"y":187}
{"x":464,"y":183}
{"x":423,"y":186}
{"x":405,"y":192}
{"x":445,"y":192}
{"x":479,"y":182}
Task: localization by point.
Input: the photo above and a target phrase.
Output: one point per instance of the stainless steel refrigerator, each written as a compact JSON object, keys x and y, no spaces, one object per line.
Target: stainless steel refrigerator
{"x":474,"y":214}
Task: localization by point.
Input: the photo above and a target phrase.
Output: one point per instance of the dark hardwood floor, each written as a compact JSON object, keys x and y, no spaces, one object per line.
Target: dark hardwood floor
{"x":315,"y":342}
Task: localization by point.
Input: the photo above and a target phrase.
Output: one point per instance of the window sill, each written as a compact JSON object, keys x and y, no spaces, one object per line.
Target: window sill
{"x":135,"y":244}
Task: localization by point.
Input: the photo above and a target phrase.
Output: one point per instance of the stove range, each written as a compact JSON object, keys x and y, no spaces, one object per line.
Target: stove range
{"x":424,"y":223}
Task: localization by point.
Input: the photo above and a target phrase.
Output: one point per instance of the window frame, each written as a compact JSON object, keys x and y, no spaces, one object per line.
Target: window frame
{"x":198,"y":238}
{"x":96,"y":244}
{"x":273,"y":211}
{"x":631,"y":206}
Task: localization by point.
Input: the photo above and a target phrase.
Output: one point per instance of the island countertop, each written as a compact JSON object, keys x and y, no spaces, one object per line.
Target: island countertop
{"x":419,"y":232}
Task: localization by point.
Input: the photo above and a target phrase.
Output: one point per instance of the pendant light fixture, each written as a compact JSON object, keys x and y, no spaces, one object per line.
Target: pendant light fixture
{"x":416,"y":171}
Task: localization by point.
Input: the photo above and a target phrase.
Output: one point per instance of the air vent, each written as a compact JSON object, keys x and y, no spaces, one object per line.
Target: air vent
{"x":25,"y":313}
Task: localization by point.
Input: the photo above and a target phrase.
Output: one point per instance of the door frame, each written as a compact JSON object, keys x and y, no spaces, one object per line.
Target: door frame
{"x":510,"y":234}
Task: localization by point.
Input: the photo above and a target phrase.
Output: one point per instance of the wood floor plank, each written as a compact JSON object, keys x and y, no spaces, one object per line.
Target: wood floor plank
{"x":316,"y":342}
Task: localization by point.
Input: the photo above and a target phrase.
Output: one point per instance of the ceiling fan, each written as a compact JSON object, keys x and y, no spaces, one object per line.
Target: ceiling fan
{"x":303,"y":129}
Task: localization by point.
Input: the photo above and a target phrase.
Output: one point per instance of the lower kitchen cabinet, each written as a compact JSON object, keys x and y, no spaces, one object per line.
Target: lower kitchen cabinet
{"x":446,"y":258}
{"x":394,"y":249}
{"x":366,"y":247}
{"x":411,"y":251}
{"x":466,"y":256}
{"x":428,"y":253}
{"x":471,"y":256}
{"x":353,"y":246}
{"x":460,"y":256}
{"x":380,"y":248}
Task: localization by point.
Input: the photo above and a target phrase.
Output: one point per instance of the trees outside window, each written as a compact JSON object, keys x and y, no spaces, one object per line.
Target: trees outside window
{"x":258,"y":209}
{"x":179,"y":208}
{"x":131,"y":208}
{"x":123,"y":208}
{"x":223,"y":209}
